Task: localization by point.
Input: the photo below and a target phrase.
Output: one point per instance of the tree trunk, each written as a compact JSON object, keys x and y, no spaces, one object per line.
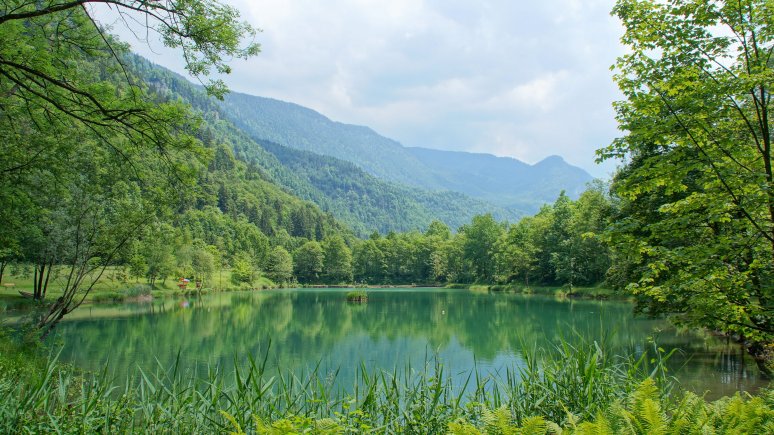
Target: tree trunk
{"x":40,"y":280}
{"x":45,"y":283}
{"x":37,"y":282}
{"x":763,"y":358}
{"x":59,"y":309}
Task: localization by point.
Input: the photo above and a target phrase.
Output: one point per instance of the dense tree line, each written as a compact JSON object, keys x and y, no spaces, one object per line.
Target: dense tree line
{"x":559,"y":245}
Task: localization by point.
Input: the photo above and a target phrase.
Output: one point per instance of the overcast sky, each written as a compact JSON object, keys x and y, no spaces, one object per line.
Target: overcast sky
{"x":525,"y":79}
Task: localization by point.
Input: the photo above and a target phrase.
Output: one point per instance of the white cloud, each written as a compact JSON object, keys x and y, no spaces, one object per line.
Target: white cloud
{"x":516,"y":78}
{"x":541,"y":92}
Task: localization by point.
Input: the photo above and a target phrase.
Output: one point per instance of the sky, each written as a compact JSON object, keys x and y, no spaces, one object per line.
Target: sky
{"x":525,"y":79}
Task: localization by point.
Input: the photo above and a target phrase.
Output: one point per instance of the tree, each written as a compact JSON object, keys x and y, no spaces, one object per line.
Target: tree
{"x":157,"y":250}
{"x":578,"y":255}
{"x":480,"y":239}
{"x":695,"y":235}
{"x":368,"y":262}
{"x":517,"y":253}
{"x":279,"y":266}
{"x":202,"y":263}
{"x":308,"y":262}
{"x":242,"y":269}
{"x":438,"y":229}
{"x":559,"y":241}
{"x":7,"y":254}
{"x":77,"y":127}
{"x":337,"y":263}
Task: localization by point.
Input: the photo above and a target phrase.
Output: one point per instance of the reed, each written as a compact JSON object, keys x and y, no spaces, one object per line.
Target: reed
{"x":568,"y":384}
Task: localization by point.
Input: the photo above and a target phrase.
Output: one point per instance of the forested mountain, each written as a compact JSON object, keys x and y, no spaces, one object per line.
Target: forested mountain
{"x":508,"y":182}
{"x":302,"y":128}
{"x":356,"y":198}
{"x":367,"y":203}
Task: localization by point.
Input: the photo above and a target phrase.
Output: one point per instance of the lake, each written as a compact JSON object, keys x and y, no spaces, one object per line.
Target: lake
{"x":396,"y":327}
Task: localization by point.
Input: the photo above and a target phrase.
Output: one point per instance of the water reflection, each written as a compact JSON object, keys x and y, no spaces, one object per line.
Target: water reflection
{"x":395,"y":328}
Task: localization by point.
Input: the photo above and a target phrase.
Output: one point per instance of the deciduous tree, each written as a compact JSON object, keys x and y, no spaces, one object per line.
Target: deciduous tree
{"x":696,"y":233}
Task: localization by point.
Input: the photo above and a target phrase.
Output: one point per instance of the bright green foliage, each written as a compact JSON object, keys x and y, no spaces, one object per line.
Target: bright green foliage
{"x":517,"y":252}
{"x":480,"y":239}
{"x":695,"y":233}
{"x":88,"y":157}
{"x":644,"y":412}
{"x":202,"y":263}
{"x":559,"y":245}
{"x":579,"y":255}
{"x":308,"y":262}
{"x":242,"y":269}
{"x":369,"y":264}
{"x":337,"y":263}
{"x":205,"y":31}
{"x":279,"y":266}
{"x":156,"y":248}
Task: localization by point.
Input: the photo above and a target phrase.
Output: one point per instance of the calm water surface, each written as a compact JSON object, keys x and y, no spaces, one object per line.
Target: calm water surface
{"x":395,"y":328}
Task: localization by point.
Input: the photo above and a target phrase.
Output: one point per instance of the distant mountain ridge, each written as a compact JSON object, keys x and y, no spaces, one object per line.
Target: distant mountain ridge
{"x":503,"y":181}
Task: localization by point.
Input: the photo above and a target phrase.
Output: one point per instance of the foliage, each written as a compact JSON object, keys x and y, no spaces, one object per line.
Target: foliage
{"x":644,"y":411}
{"x":242,"y":269}
{"x":255,"y":399}
{"x":279,"y":266}
{"x":308,"y":262}
{"x":89,"y":156}
{"x":480,"y":239}
{"x":337,"y":260}
{"x":695,"y":234}
{"x":357,"y":296}
{"x":560,"y":245}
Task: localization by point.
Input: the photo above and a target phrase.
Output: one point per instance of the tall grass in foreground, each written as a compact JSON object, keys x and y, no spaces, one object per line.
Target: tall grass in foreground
{"x":566,"y":385}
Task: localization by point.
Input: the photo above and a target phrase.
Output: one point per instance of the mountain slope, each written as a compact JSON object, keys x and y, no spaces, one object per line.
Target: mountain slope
{"x":372,"y":204}
{"x":302,"y":128}
{"x":508,"y":182}
{"x":354,"y":197}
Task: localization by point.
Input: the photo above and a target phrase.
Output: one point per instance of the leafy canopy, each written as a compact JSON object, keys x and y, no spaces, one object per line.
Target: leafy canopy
{"x":696,"y":228}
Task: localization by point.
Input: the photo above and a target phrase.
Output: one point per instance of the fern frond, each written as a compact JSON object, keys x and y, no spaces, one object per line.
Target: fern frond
{"x":600,"y":426}
{"x":461,"y":427}
{"x":498,"y":421}
{"x":534,"y":426}
{"x":233,"y":422}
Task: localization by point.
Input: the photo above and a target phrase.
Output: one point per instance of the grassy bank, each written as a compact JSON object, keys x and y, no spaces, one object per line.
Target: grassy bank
{"x":113,"y":287}
{"x":557,"y":291}
{"x":578,"y":389}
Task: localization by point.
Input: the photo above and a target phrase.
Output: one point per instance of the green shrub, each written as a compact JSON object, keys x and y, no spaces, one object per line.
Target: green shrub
{"x":357,"y":296}
{"x":138,"y":290}
{"x":108,"y":297}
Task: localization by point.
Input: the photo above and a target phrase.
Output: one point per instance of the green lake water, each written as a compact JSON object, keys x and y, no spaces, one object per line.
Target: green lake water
{"x":395,"y":328}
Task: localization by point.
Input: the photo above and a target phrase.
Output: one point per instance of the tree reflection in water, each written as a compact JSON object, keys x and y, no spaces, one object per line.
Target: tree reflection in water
{"x":396,"y":328}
